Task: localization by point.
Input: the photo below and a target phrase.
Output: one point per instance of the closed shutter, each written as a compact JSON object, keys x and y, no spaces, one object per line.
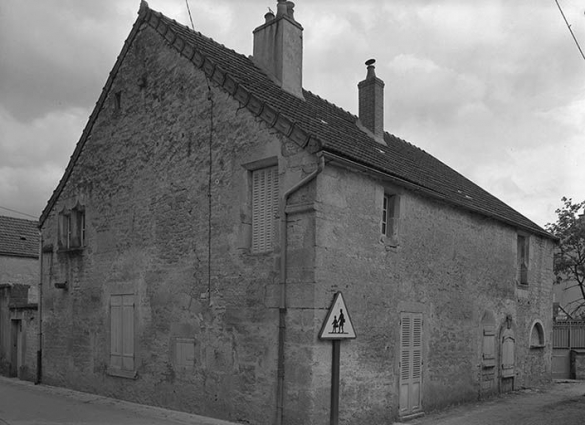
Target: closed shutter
{"x":489,"y":339}
{"x":116,"y":332}
{"x":122,"y":332}
{"x":410,"y":362}
{"x":128,"y":332}
{"x":508,"y":357}
{"x":264,"y":208}
{"x":64,"y":230}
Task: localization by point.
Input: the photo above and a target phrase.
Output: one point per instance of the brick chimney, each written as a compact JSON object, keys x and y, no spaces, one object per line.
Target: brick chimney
{"x":278,"y":48}
{"x":371,"y":101}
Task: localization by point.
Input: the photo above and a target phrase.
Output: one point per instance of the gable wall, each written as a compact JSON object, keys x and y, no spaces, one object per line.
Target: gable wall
{"x":450,"y":265}
{"x":143,"y":178}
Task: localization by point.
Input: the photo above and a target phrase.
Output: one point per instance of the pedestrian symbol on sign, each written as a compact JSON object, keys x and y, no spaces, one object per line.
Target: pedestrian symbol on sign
{"x":337,"y":323}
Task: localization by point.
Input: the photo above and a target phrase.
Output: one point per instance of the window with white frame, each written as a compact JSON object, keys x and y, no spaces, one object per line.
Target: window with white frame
{"x":264,"y":208}
{"x":522,"y":258}
{"x":390,"y":217}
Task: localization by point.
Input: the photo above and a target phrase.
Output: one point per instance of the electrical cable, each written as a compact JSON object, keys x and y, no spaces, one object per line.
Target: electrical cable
{"x":190,"y":18}
{"x":18,"y":212}
{"x":570,"y":29}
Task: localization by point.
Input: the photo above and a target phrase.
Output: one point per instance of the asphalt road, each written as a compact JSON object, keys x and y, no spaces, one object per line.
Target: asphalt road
{"x":23,"y":403}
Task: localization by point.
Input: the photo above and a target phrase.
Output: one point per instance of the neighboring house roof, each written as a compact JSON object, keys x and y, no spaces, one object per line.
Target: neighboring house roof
{"x":18,"y":237}
{"x":312,"y":123}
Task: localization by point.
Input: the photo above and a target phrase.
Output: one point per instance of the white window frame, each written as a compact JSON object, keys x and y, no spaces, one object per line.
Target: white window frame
{"x":522,"y":257}
{"x":390,"y":218}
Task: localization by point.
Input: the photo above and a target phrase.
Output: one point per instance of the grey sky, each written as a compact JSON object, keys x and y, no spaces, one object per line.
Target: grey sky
{"x":495,"y":89}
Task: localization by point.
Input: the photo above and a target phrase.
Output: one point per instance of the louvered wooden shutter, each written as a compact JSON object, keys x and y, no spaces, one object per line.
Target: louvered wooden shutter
{"x":75,"y":240}
{"x":264,"y":208}
{"x":64,"y":223}
{"x":116,"y":332}
{"x":410,"y":362}
{"x":122,"y":332}
{"x":128,"y":332}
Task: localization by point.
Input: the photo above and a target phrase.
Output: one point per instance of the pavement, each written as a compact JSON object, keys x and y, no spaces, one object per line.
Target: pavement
{"x":562,"y":402}
{"x":23,"y":403}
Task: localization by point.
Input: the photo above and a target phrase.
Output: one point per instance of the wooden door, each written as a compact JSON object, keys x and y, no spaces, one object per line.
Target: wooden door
{"x":507,"y":368}
{"x":15,"y":349}
{"x":410,"y":363}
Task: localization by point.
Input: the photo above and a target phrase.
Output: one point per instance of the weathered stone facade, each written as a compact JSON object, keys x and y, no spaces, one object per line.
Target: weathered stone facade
{"x":163,"y":178}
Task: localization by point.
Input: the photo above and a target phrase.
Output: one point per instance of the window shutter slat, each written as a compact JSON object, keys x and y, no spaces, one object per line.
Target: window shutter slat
{"x":264,"y":207}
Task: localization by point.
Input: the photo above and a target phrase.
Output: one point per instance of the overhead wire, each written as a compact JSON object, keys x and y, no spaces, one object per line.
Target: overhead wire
{"x":570,"y":29}
{"x":190,"y":17}
{"x":18,"y":212}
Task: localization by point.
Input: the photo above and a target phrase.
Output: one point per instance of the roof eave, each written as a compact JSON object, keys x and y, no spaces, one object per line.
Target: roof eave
{"x":429,"y":192}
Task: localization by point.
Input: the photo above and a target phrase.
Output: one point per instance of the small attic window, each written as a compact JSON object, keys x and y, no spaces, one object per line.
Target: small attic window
{"x":118,"y":101}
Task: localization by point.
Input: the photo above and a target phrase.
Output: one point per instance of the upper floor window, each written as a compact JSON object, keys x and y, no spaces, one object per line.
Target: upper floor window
{"x":264,"y":208}
{"x":72,"y":228}
{"x":390,"y":215}
{"x":522,"y":257}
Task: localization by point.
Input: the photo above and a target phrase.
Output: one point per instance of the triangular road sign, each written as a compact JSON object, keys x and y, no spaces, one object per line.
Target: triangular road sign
{"x":337,"y":323}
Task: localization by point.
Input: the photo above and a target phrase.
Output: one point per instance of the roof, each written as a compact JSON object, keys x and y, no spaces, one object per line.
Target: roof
{"x":312,"y":123}
{"x":18,"y":237}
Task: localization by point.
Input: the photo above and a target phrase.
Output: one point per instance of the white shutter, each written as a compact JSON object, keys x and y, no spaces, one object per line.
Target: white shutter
{"x":264,"y":208}
{"x":410,"y":362}
{"x":122,"y":332}
{"x":128,"y":332}
{"x":116,"y":332}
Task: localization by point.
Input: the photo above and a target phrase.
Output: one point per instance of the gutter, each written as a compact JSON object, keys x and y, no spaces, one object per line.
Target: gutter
{"x":351,"y":164}
{"x":40,"y":310}
{"x":282,"y":307}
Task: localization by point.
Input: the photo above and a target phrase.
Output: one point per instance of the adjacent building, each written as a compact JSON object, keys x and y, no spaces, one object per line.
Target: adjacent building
{"x":19,"y":279}
{"x":213,"y":208}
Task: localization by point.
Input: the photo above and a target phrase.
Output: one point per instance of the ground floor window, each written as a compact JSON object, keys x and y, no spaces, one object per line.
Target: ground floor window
{"x":122,"y":356}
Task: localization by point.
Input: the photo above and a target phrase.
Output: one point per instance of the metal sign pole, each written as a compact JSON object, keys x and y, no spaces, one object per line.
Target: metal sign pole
{"x":335,"y":382}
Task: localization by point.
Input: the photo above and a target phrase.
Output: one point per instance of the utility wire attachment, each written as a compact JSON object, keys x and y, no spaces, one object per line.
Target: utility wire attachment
{"x":570,"y":29}
{"x":18,"y":212}
{"x":190,"y":17}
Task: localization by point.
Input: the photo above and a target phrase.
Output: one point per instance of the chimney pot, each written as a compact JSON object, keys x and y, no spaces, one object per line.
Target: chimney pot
{"x":269,"y":16}
{"x":371,"y":69}
{"x":290,"y":10}
{"x":281,"y":8}
{"x":278,"y":48}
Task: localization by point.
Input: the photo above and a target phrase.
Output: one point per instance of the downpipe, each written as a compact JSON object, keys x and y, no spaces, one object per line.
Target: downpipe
{"x":283,"y":276}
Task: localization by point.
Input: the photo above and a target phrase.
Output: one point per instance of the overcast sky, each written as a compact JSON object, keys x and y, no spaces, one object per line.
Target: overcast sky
{"x":495,"y":89}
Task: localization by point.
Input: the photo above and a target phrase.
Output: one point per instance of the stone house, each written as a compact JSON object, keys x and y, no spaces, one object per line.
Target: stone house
{"x":211,"y":211}
{"x":19,"y":279}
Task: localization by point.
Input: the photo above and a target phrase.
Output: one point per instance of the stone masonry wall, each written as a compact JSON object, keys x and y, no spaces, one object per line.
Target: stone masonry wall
{"x":450,"y":265}
{"x":143,"y":177}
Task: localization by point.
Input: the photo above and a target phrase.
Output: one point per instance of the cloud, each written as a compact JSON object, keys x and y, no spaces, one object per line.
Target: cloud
{"x":34,"y":155}
{"x":61,"y":59}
